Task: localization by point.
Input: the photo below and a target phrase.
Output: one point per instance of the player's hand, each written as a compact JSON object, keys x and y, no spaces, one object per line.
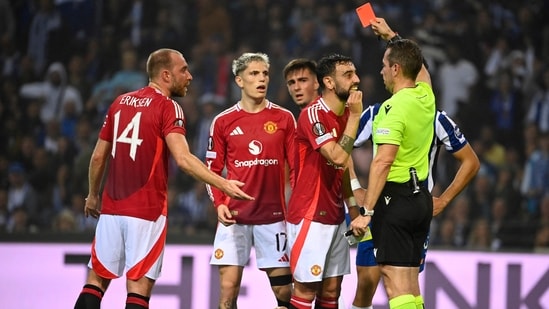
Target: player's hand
{"x":354,"y":102}
{"x":360,"y":225}
{"x":438,"y":206}
{"x":224,"y":215}
{"x":381,"y":28}
{"x":232,"y":189}
{"x":91,"y":207}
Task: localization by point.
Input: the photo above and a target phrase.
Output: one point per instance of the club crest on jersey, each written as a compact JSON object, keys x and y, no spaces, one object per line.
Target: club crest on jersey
{"x":270,"y":127}
{"x":316,"y":270}
{"x":219,"y":254}
{"x":319,"y":129}
{"x":210,"y":143}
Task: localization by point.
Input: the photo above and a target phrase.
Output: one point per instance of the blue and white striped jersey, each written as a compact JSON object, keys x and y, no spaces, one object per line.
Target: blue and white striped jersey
{"x":447,"y":134}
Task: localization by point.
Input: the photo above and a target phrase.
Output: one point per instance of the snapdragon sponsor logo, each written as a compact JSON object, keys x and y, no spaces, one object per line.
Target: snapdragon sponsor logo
{"x":255,"y":162}
{"x":255,"y":148}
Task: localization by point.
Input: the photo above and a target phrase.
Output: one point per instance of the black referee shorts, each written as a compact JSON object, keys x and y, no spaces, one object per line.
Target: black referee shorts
{"x":400,"y":224}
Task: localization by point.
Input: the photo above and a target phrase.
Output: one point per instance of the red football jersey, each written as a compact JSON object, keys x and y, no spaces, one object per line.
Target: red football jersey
{"x":253,"y":148}
{"x":137,"y":124}
{"x":317,"y":192}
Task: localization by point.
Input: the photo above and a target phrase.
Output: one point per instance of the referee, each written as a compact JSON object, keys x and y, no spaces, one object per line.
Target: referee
{"x":402,"y":136}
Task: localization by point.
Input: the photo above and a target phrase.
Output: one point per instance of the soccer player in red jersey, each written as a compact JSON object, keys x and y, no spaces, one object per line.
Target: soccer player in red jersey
{"x":140,"y":131}
{"x":319,"y":254}
{"x":253,"y":141}
{"x":300,"y":77}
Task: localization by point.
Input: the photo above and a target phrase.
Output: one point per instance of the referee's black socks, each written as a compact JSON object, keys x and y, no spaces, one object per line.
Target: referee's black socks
{"x":89,"y":298}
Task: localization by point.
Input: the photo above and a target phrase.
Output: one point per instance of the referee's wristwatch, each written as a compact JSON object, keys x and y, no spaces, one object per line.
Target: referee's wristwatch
{"x":365,"y":212}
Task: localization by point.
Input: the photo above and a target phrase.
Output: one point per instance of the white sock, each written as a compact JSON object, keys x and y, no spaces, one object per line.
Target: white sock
{"x":355,"y":307}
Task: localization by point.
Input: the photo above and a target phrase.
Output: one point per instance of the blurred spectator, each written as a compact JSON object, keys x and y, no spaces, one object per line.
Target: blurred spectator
{"x":431,"y":39}
{"x":459,"y":213}
{"x":535,"y":182}
{"x":493,"y":152}
{"x":530,"y":135}
{"x":538,"y":112}
{"x":277,"y":26}
{"x":65,"y":152}
{"x":543,"y":218}
{"x":128,"y":78}
{"x":506,"y":108}
{"x":4,"y":167}
{"x":52,"y":135}
{"x":20,"y":222}
{"x":83,"y":223}
{"x":21,"y":194}
{"x":139,"y":19}
{"x":210,"y":106}
{"x":197,"y":210}
{"x":331,"y":42}
{"x":4,"y":213}
{"x":497,"y":61}
{"x":64,"y":222}
{"x":42,"y":179}
{"x":301,"y":11}
{"x":498,"y":220}
{"x":212,"y":67}
{"x":55,"y":93}
{"x":24,"y":151}
{"x":541,"y":243}
{"x":256,"y":13}
{"x":9,"y":55}
{"x":508,"y":232}
{"x":32,"y":124}
{"x":61,"y":188}
{"x":507,"y":187}
{"x":46,"y":36}
{"x":445,"y":236}
{"x":456,"y":78}
{"x":213,"y":21}
{"x":84,"y":145}
{"x":77,"y":77}
{"x":163,"y":34}
{"x":7,"y":23}
{"x":68,"y":123}
{"x":278,"y":92}
{"x":481,"y":193}
{"x":480,"y":237}
{"x":80,"y":18}
{"x":305,"y":42}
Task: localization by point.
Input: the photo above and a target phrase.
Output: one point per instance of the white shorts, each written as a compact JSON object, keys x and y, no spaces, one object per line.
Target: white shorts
{"x":233,"y":244}
{"x":318,"y":251}
{"x":128,"y":243}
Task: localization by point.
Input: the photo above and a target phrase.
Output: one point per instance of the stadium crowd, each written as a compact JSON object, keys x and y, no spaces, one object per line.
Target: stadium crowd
{"x":62,"y":62}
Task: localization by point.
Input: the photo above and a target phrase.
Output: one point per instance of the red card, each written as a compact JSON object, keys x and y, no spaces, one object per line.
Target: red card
{"x":365,"y":14}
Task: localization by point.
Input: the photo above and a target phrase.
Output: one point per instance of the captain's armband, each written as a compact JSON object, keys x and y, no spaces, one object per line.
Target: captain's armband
{"x":346,"y":142}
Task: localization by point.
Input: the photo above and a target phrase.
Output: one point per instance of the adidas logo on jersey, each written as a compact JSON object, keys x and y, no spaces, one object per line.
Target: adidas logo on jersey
{"x":237,"y":131}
